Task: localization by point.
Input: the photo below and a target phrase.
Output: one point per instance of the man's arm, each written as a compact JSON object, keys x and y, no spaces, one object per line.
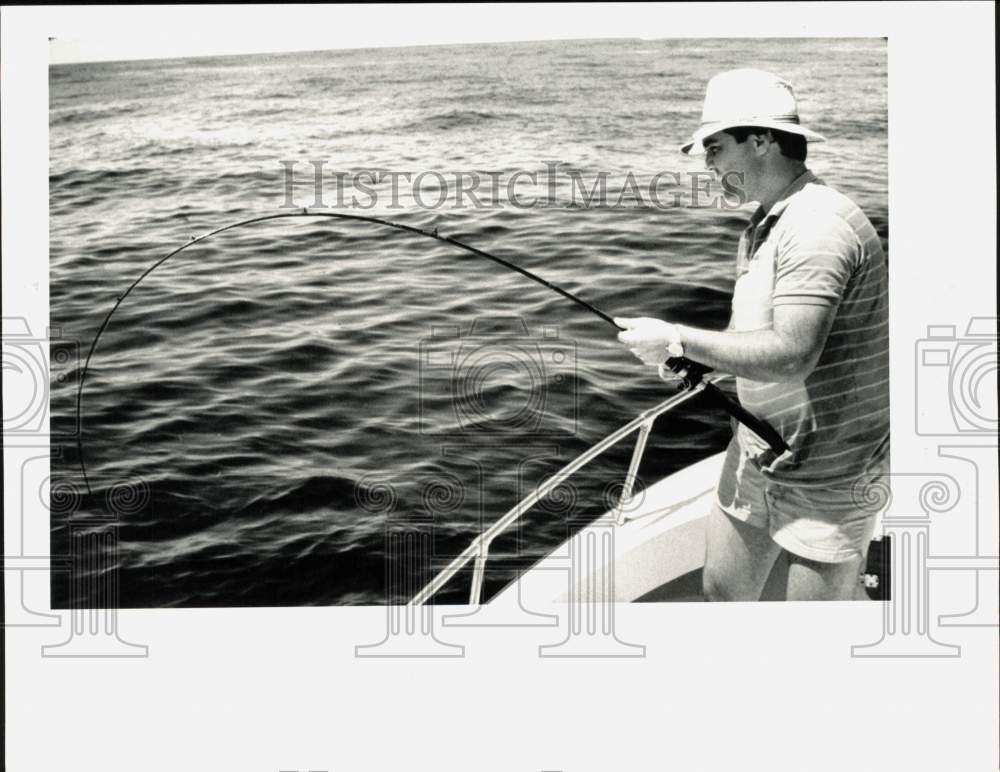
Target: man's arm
{"x":816,"y":256}
{"x":788,"y":350}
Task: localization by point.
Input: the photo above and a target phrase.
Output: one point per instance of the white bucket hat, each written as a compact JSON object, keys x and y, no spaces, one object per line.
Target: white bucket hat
{"x":748,"y":98}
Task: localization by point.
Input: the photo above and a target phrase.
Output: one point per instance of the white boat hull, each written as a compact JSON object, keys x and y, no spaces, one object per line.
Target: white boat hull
{"x":662,"y":540}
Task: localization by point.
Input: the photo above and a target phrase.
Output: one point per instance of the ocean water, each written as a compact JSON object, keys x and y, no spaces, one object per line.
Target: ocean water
{"x":268,"y":407}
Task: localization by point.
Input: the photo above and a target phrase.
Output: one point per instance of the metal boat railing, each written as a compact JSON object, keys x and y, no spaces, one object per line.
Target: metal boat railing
{"x":479,"y":550}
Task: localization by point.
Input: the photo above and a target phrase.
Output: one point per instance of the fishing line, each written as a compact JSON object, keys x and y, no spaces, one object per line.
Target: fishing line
{"x":691,"y":372}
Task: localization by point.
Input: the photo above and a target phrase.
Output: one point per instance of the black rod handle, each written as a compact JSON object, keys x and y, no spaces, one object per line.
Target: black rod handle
{"x":758,"y":426}
{"x":691,"y":373}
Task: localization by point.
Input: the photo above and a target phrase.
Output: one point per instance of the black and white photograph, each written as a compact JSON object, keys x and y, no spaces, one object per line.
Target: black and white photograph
{"x":264,"y":407}
{"x":524,"y":355}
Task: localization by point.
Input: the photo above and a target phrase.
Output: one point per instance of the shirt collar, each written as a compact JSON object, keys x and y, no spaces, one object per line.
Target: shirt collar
{"x":779,"y":206}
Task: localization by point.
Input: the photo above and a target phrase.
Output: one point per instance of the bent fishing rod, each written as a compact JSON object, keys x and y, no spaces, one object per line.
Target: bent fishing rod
{"x":691,"y":373}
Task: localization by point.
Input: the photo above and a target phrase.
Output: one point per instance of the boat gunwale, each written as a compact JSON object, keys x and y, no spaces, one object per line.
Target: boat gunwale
{"x":478,"y":550}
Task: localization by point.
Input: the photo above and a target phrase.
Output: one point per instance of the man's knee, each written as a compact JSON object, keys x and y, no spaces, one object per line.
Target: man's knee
{"x":738,"y":558}
{"x":812,"y":580}
{"x":720,"y":585}
{"x":714,"y":587}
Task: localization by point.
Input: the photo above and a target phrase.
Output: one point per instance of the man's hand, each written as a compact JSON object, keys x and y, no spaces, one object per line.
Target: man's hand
{"x":648,"y":338}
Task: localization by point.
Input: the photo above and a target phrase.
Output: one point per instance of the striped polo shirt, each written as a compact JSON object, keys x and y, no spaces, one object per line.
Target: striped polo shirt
{"x":816,"y":247}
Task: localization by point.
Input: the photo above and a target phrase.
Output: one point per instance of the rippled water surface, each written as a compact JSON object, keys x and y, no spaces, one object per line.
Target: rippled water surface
{"x":266,"y":406}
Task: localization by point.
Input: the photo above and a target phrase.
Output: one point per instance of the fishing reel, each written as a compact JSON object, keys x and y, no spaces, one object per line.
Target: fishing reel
{"x":689,"y":371}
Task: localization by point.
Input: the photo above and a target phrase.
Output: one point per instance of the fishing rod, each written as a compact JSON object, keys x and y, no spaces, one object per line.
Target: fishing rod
{"x":691,"y":373}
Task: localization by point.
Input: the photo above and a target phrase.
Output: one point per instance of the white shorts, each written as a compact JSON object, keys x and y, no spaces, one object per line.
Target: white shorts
{"x":825,"y":524}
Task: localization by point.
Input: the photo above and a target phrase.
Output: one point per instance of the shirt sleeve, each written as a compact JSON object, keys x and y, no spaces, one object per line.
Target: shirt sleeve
{"x":817,"y":253}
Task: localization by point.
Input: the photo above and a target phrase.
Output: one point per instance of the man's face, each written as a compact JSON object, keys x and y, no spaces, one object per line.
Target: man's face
{"x":724,"y":155}
{"x":734,"y":163}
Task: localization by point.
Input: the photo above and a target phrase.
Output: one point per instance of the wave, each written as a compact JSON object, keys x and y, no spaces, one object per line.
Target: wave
{"x":73,"y":178}
{"x":86,"y":115}
{"x":313,"y":493}
{"x":453,"y":119}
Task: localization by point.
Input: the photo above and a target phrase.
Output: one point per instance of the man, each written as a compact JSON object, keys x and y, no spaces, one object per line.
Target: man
{"x":808,"y":344}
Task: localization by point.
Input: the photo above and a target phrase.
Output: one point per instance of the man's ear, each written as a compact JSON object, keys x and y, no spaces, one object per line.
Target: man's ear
{"x":762,"y":142}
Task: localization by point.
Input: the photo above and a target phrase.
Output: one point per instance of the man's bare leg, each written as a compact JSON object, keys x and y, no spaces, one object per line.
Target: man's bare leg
{"x":812,"y":580}
{"x":738,"y":558}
